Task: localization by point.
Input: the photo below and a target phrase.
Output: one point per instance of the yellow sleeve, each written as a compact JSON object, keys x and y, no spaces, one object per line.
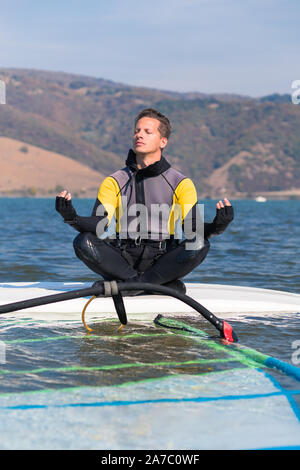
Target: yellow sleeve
{"x":185,"y":197}
{"x":109,"y":196}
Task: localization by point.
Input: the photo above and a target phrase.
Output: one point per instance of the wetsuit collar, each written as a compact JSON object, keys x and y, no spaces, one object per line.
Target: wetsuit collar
{"x":151,"y":170}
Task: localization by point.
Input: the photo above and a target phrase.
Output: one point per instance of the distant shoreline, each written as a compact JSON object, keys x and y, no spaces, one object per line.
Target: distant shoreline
{"x":269,"y":196}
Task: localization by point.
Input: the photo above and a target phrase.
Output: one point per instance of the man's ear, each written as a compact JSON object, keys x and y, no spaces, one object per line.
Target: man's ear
{"x":163,"y":142}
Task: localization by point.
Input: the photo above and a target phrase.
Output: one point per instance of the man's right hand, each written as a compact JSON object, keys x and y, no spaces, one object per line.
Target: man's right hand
{"x":63,"y":205}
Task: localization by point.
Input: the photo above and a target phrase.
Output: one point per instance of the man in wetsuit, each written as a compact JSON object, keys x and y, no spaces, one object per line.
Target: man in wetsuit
{"x":148,"y":201}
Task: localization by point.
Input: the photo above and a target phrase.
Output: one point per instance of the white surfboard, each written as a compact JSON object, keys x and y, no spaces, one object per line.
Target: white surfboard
{"x":224,"y":300}
{"x":227,"y":410}
{"x":230,"y":409}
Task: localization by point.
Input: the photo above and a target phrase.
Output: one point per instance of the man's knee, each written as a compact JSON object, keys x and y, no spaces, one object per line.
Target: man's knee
{"x":83,"y":245}
{"x":193,"y":251}
{"x":81,"y":240}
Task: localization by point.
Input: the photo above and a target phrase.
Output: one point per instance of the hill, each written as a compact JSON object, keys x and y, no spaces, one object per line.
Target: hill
{"x":27,"y":170}
{"x":230,"y":145}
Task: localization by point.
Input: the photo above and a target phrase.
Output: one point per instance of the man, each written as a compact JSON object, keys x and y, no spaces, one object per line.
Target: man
{"x":148,"y":199}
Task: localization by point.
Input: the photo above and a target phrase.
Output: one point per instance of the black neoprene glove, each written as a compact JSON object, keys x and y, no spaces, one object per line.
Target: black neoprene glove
{"x":223,"y":218}
{"x":65,"y":209}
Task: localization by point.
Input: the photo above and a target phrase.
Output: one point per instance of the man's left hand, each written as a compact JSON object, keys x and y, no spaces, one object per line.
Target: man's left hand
{"x":224,"y":213}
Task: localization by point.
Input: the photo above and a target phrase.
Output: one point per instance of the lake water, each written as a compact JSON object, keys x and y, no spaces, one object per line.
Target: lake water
{"x":259,"y":249}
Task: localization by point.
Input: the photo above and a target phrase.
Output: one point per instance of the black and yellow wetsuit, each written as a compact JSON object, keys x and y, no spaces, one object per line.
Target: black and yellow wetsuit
{"x":154,"y":212}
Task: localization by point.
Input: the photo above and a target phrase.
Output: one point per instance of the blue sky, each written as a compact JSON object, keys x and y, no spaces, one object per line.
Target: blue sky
{"x":250,"y":47}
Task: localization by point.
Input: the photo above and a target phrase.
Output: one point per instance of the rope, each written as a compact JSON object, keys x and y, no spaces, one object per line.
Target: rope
{"x":83,"y":313}
{"x":110,"y":289}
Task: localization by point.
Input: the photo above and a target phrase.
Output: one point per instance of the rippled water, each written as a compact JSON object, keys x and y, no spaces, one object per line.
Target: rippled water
{"x":259,"y":249}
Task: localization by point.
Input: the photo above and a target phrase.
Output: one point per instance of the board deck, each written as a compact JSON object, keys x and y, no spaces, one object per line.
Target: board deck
{"x":226,"y":410}
{"x":231,"y":301}
{"x":240,"y":407}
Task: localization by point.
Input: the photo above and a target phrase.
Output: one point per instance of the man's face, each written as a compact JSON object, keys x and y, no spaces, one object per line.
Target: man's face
{"x":147,"y":138}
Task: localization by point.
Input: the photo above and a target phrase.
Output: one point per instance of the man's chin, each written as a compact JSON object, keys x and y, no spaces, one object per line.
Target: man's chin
{"x":139,"y":151}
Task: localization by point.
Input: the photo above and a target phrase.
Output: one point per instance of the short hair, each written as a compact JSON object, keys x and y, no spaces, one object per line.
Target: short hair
{"x":164,"y":123}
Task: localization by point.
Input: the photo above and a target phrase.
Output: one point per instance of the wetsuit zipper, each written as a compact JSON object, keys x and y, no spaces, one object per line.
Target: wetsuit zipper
{"x":140,"y":199}
{"x":139,"y":188}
